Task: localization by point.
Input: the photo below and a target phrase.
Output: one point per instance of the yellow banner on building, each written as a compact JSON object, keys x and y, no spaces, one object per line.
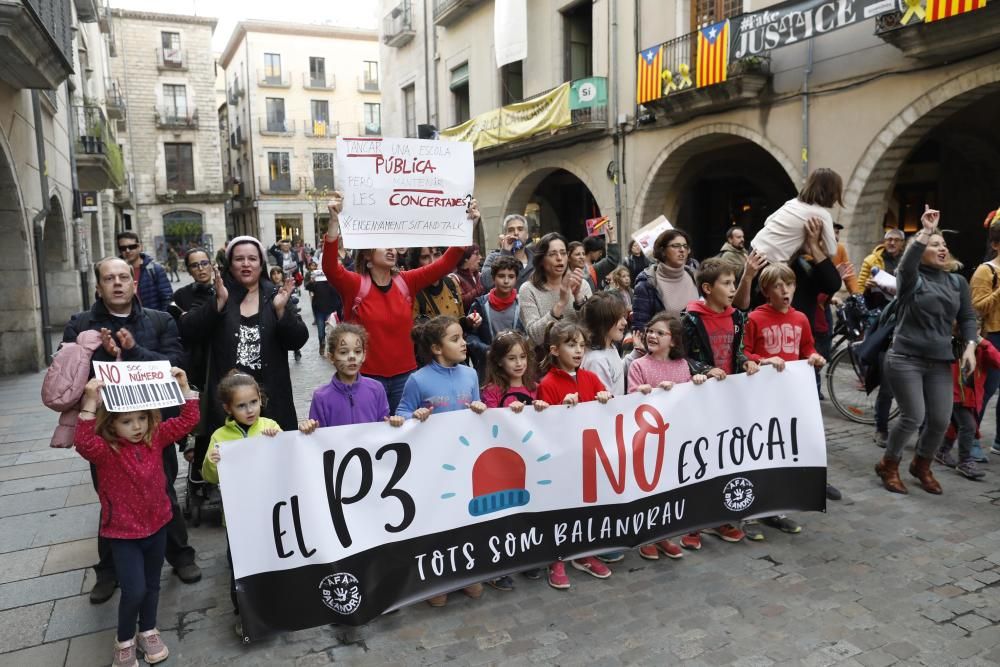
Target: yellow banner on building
{"x":544,"y":113}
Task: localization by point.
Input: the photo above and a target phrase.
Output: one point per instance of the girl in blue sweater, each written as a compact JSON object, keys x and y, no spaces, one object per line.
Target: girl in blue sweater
{"x":443,"y":385}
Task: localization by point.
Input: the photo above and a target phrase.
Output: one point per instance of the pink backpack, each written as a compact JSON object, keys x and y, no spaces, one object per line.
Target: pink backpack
{"x":366,"y":286}
{"x":64,"y":382}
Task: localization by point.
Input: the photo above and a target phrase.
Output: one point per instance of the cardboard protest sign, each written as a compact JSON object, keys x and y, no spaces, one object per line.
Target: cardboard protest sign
{"x":405,"y":192}
{"x":352,"y":521}
{"x":646,"y":236}
{"x":137,"y":385}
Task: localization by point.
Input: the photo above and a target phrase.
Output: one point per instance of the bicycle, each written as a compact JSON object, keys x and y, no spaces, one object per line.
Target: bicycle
{"x":845,"y":374}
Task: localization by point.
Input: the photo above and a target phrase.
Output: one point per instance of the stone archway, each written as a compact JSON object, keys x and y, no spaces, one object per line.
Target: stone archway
{"x":20,"y":324}
{"x":658,"y":194}
{"x":62,"y":280}
{"x":870,"y":186}
{"x":528,"y":188}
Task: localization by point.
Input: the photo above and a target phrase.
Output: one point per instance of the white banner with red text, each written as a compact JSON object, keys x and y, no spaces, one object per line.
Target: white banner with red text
{"x":350,"y":522}
{"x":404,"y":192}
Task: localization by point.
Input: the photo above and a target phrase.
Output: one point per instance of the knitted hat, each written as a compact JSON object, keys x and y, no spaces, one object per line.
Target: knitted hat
{"x":497,"y":482}
{"x":244,"y":239}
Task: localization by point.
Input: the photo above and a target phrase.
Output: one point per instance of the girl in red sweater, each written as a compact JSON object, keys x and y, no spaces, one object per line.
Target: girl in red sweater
{"x":386,"y":310}
{"x":125,"y":448}
{"x":567,"y":384}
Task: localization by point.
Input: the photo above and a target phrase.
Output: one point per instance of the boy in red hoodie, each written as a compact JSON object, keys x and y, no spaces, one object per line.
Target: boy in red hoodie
{"x":777,"y":333}
{"x":968,"y":397}
{"x":713,"y":331}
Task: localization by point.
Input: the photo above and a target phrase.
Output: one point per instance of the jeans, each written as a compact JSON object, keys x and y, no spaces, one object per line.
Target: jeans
{"x":824,"y":343}
{"x":321,"y":319}
{"x":393,"y":388}
{"x":923,"y":389}
{"x":966,"y":421}
{"x":992,"y":384}
{"x":179,"y":553}
{"x":883,"y":403}
{"x":138,"y":564}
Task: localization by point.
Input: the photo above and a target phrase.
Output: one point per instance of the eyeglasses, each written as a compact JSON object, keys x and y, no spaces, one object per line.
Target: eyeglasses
{"x":657,"y":333}
{"x":203,"y":264}
{"x":128,"y":248}
{"x":679,"y":246}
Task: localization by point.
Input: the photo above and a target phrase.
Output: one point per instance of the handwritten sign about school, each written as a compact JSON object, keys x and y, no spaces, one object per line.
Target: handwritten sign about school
{"x":352,"y":521}
{"x":404,"y":192}
{"x":137,"y":385}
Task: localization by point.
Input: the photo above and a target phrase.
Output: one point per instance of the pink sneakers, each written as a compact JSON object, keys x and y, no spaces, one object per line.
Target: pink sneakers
{"x":557,"y":576}
{"x":125,"y":654}
{"x":691,"y":541}
{"x":152,"y":646}
{"x":592,"y":566}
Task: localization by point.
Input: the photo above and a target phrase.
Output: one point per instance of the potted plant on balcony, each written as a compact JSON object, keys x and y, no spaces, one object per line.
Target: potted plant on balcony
{"x":749,"y":65}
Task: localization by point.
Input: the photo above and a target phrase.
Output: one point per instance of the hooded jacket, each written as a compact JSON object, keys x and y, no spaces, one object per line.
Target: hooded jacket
{"x":971,"y":394}
{"x":277,"y":339}
{"x":443,"y":388}
{"x":227,"y":433}
{"x":877,"y":260}
{"x":558,"y":384}
{"x":735,"y":257}
{"x":337,"y":404}
{"x":131,"y":483}
{"x":698,"y":342}
{"x":153,"y":287}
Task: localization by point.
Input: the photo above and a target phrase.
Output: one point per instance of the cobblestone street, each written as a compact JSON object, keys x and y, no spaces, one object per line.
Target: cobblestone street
{"x":879,"y":580}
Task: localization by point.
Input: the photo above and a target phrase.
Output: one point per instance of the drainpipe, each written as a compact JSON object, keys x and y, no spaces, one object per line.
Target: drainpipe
{"x":613,"y":71}
{"x":805,"y":112}
{"x":81,"y":249}
{"x":38,"y":226}
{"x":427,"y":63}
{"x":133,"y":196}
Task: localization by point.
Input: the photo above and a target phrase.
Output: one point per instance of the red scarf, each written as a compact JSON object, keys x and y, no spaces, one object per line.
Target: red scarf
{"x":499,"y":304}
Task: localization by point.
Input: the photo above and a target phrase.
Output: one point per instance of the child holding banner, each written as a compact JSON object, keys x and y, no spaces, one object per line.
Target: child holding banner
{"x":125,"y":450}
{"x":566,"y":383}
{"x":443,"y":385}
{"x":604,"y":316}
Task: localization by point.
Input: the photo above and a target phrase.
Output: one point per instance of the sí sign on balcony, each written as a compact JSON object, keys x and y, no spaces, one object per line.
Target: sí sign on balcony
{"x":781,"y":25}
{"x":404,"y":192}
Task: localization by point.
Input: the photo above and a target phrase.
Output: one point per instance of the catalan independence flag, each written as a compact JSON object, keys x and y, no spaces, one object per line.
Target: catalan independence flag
{"x":713,"y":54}
{"x":943,"y":9}
{"x":647,"y":76}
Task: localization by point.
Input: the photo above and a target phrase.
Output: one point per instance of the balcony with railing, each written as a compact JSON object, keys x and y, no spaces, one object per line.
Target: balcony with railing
{"x":367,"y":84}
{"x":272,"y":79}
{"x":237,"y":138}
{"x":561,"y":116}
{"x":173,"y":118}
{"x":447,"y":12}
{"x":397,"y":26}
{"x":114,"y":101}
{"x":682,"y":95}
{"x":312,"y":81}
{"x":174,"y":60}
{"x":235,"y":91}
{"x":36,"y":53}
{"x":99,"y":163}
{"x":283,"y":184}
{"x":944,"y":40}
{"x":271,"y":126}
{"x":322,"y":129}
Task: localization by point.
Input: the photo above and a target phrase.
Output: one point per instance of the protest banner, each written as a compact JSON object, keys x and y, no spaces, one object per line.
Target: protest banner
{"x":137,"y":385}
{"x":404,"y":192}
{"x":646,"y":236}
{"x":352,"y":521}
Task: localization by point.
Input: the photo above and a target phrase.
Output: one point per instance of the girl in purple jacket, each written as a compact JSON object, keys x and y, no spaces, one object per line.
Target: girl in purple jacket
{"x":349,"y":398}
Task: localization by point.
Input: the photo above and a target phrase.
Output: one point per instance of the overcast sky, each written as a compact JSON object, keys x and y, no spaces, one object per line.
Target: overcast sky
{"x":347,"y":13}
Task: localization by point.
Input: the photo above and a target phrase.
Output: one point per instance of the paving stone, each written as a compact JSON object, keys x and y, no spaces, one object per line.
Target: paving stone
{"x":45,"y":528}
{"x":21,"y":564}
{"x":76,"y":616}
{"x":938,"y":614}
{"x":40,"y":589}
{"x":96,"y":650}
{"x":71,"y":556}
{"x":24,"y":626}
{"x":43,"y":655}
{"x":971,"y":622}
{"x":82,"y":494}
{"x":33,"y":501}
{"x":876,"y":658}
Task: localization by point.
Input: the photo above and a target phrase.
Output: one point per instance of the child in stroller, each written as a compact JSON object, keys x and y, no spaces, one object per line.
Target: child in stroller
{"x":200,"y":496}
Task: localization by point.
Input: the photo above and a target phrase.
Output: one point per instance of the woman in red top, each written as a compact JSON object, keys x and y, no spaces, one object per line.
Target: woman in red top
{"x":386,"y":312}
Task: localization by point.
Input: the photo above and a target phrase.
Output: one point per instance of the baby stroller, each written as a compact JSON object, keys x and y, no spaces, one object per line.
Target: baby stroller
{"x":200,"y":496}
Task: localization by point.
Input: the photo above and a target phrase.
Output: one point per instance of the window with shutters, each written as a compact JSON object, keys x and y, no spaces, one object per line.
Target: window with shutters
{"x":512,"y":83}
{"x":410,"y":110}
{"x":175,"y":108}
{"x":279,"y":171}
{"x":323,"y":171}
{"x":180,"y":166}
{"x":707,"y":12}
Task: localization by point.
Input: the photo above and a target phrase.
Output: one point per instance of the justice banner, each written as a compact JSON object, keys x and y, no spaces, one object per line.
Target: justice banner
{"x":352,"y":521}
{"x":405,"y":192}
{"x":787,"y":23}
{"x":542,"y":113}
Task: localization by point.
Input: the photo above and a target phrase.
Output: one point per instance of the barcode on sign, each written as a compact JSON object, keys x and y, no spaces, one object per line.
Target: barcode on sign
{"x":123,"y":398}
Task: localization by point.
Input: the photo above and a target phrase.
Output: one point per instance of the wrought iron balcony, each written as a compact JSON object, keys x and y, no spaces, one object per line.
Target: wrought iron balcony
{"x":235,"y":91}
{"x":172,"y":118}
{"x":275,"y":127}
{"x":171,"y":59}
{"x":366,"y":84}
{"x":284,"y":184}
{"x":114,"y":101}
{"x":99,"y":163}
{"x":310,"y":82}
{"x":397,"y":26}
{"x":323,"y":129}
{"x":273,"y":79}
{"x":447,"y":12}
{"x":944,"y":40}
{"x":35,"y":42}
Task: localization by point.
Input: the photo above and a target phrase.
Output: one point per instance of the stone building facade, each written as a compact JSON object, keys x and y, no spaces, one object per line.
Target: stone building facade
{"x":292,"y":89}
{"x":170,"y":136}
{"x":904,"y":110}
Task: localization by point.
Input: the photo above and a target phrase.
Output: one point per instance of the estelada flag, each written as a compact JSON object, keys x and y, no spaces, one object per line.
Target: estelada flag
{"x":943,"y":9}
{"x":713,"y":54}
{"x":647,"y":76}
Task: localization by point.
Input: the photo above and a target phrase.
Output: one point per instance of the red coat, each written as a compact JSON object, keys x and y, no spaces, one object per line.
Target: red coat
{"x":771,"y":333}
{"x":557,"y":384}
{"x":130,"y":482}
{"x":386,"y":316}
{"x":987,"y":357}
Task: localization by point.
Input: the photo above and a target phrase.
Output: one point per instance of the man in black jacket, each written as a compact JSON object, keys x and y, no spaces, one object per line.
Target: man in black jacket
{"x":136,"y":334}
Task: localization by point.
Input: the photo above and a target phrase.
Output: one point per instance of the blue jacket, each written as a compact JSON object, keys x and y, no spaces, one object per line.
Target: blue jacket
{"x":436,"y":386}
{"x":154,"y":289}
{"x":480,"y":338}
{"x":337,"y":404}
{"x":155,"y":333}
